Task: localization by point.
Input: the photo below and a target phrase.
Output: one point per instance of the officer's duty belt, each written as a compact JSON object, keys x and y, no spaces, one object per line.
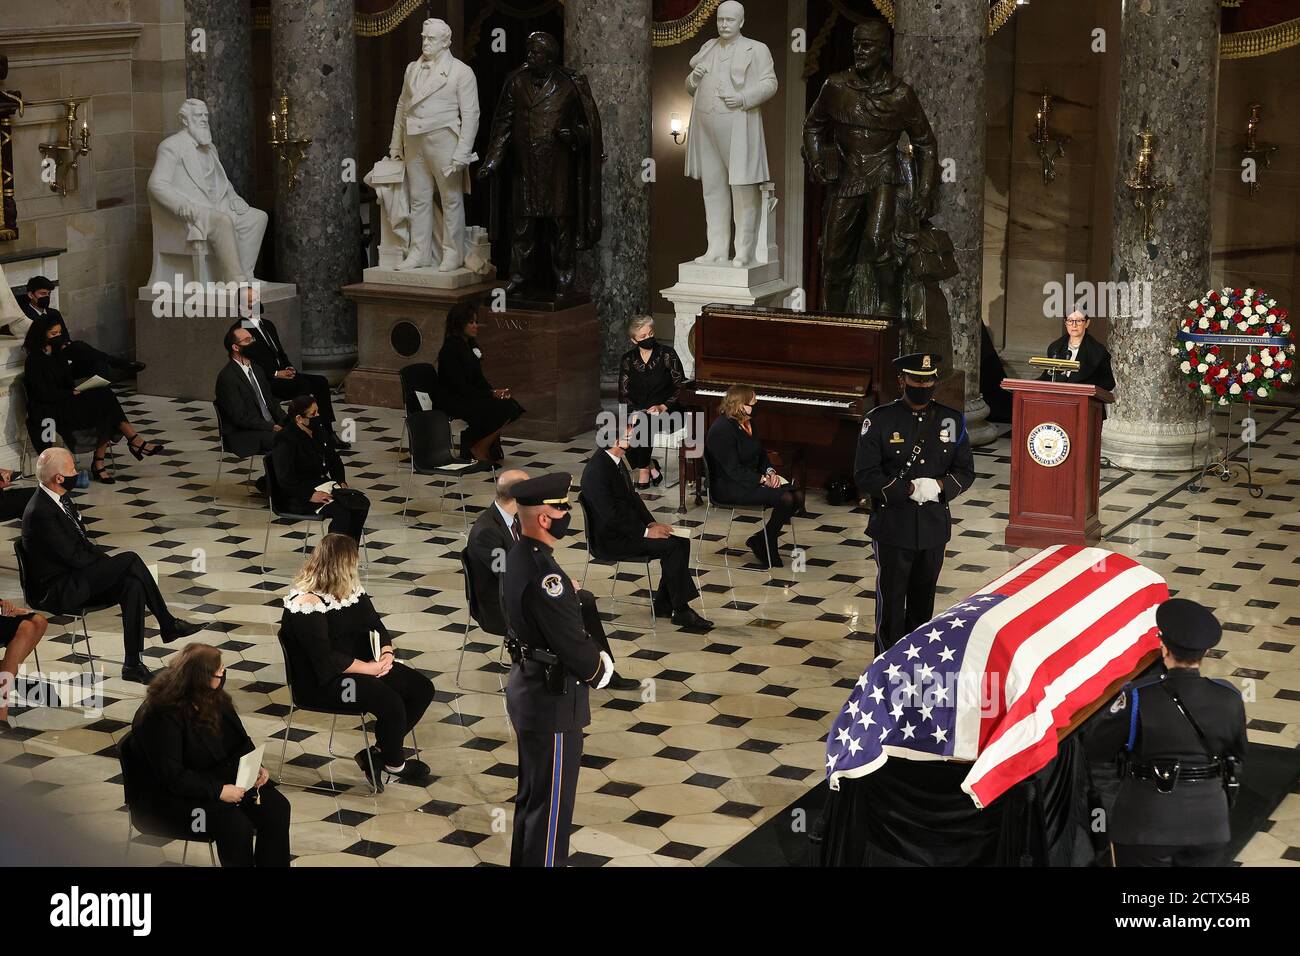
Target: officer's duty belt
{"x":1167,"y":773}
{"x":537,"y":654}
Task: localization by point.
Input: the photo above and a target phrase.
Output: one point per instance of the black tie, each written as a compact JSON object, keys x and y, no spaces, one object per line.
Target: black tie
{"x":627,"y":475}
{"x":71,"y":511}
{"x":514,"y":527}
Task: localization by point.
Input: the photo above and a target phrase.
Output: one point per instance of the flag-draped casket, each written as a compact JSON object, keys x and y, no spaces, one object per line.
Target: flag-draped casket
{"x":995,"y":681}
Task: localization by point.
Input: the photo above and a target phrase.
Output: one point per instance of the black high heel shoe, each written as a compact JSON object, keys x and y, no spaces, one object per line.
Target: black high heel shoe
{"x":101,"y":473}
{"x":143,"y":450}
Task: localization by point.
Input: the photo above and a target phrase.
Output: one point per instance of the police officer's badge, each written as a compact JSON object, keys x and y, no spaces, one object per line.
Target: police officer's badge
{"x":553,"y":585}
{"x":866,"y":423}
{"x":1120,"y":702}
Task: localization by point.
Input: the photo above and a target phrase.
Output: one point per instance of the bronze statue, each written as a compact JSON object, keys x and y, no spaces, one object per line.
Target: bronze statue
{"x":547,"y":118}
{"x":879,"y":254}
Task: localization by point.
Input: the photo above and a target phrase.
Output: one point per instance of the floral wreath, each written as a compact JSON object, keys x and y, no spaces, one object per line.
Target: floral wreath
{"x":1214,"y":330}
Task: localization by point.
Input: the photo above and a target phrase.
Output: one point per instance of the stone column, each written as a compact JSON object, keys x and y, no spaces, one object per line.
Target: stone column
{"x":609,"y":41}
{"x":1168,"y":87}
{"x":221,"y":74}
{"x":940,"y":49}
{"x":317,"y":224}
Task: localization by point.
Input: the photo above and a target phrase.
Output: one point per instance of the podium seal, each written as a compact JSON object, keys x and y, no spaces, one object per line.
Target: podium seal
{"x":1049,"y":445}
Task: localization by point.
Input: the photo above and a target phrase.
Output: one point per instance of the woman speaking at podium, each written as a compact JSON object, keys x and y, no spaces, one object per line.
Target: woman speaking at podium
{"x":1077,"y":345}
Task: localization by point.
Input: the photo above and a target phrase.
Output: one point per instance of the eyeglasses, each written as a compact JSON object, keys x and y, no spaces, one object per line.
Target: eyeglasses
{"x":1076,"y":321}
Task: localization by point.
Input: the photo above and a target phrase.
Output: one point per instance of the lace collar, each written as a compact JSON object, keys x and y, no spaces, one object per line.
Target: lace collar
{"x":327,"y":602}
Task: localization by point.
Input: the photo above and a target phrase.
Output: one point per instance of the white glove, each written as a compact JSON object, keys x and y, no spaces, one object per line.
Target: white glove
{"x":925,"y":489}
{"x":608,"y":663}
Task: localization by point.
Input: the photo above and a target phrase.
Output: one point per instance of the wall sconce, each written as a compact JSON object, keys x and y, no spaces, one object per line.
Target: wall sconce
{"x":675,"y":127}
{"x":289,"y":149}
{"x":1260,"y":154}
{"x":1051,"y":144}
{"x":67,"y":154}
{"x":1146,"y":187}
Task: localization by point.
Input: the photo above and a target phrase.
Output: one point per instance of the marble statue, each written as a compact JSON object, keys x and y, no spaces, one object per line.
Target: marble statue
{"x":731,"y":77}
{"x":433,"y":135}
{"x":879,"y":195}
{"x":547,"y":127}
{"x":202,"y":229}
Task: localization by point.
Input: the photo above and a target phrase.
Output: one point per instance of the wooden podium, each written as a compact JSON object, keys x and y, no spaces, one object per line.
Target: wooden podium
{"x":1055,"y":462}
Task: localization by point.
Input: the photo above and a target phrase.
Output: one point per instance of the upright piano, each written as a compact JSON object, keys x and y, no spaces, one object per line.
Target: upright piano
{"x":816,"y":375}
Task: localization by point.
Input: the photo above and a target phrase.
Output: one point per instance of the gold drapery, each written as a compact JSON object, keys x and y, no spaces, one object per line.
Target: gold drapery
{"x":672,"y":32}
{"x":1280,"y":36}
{"x":999,"y":12}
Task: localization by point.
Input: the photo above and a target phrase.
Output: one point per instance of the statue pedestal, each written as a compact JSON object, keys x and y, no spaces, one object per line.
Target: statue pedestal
{"x":550,"y":360}
{"x":398,"y":325}
{"x":179,"y":336}
{"x":426,"y":277}
{"x":13,"y":405}
{"x":698,"y":285}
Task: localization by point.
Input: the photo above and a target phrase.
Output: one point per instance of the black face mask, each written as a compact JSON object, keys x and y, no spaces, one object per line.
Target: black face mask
{"x":647,"y":345}
{"x":314,"y":424}
{"x":560,"y":526}
{"x":919,"y":394}
{"x":221,"y":681}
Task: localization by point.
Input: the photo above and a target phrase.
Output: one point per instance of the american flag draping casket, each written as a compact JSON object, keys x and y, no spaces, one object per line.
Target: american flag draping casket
{"x":991,"y":680}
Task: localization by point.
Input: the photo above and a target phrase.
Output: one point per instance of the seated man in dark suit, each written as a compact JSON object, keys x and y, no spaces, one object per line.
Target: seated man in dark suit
{"x":624,"y":527}
{"x":250,"y":412}
{"x":86,"y":359}
{"x":267,"y":353}
{"x":67,"y":571}
{"x":494,"y":533}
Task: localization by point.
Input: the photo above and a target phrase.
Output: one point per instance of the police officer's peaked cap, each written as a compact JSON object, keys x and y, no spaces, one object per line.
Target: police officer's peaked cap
{"x":1187,"y":624}
{"x":552,"y":489}
{"x":919,"y":364}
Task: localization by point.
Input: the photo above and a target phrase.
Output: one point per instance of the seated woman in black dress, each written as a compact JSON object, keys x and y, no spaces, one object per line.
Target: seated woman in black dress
{"x":326,"y":629}
{"x":190,"y":736}
{"x":1076,"y":344}
{"x":52,"y":393}
{"x":20,"y":630}
{"x":649,"y":377}
{"x":740,"y":472}
{"x":463,"y":391}
{"x":304,"y":457}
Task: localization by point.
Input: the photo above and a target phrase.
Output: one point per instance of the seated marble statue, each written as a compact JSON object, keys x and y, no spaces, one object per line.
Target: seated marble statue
{"x":196,"y":210}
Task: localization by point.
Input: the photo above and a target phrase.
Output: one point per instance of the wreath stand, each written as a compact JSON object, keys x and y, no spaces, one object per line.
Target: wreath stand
{"x":1223,"y":466}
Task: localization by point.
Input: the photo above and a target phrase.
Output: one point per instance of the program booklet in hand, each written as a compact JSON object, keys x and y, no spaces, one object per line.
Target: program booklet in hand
{"x":374,"y":645}
{"x":250,"y":767}
{"x":95,"y":381}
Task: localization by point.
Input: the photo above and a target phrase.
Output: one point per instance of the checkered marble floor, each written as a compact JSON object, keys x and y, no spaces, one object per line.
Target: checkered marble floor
{"x":728,"y":728}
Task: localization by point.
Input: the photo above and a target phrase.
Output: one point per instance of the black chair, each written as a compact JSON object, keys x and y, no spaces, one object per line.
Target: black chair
{"x":296,"y":702}
{"x":221,"y":457}
{"x":429,"y":430}
{"x":275,"y":510}
{"x":20,"y":552}
{"x":597,"y":555}
{"x":135,"y":777}
{"x":474,"y":615}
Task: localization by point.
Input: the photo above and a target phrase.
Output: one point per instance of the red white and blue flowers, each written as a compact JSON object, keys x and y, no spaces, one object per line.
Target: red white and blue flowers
{"x":1234,"y":345}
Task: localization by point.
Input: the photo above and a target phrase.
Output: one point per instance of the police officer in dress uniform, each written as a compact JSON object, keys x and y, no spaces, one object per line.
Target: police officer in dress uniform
{"x":553,"y":664}
{"x":1181,"y":740}
{"x":913,"y":458}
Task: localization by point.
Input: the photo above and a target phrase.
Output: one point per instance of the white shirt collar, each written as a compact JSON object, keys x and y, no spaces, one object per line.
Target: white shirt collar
{"x":506,"y":515}
{"x":58,"y":499}
{"x":615,"y":457}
